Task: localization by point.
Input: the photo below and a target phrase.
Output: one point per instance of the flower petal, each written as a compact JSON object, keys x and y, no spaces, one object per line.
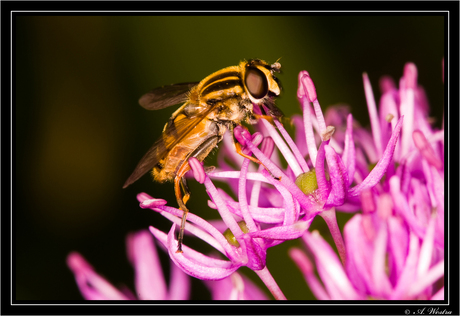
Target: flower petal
{"x":179,"y":285}
{"x":425,"y":149}
{"x":348,"y":155}
{"x":92,"y":286}
{"x":376,"y":174}
{"x":330,"y":269}
{"x":149,"y":281}
{"x":194,"y":263}
{"x":307,"y":269}
{"x":339,"y":178}
{"x":372,"y":108}
{"x":285,"y":232}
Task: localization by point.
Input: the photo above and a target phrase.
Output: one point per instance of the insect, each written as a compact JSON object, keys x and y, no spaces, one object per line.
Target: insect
{"x":218,"y":103}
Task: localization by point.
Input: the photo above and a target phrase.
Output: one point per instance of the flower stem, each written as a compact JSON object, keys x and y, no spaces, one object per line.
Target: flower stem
{"x":271,"y":284}
{"x":331,"y":221}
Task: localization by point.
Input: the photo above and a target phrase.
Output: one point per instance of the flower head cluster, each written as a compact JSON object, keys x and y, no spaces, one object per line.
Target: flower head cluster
{"x":395,"y":248}
{"x":332,"y":163}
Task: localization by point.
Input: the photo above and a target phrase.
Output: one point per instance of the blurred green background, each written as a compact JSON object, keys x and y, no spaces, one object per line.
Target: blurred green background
{"x":79,"y":131}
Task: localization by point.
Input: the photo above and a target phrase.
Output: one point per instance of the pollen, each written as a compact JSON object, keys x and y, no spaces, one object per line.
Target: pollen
{"x":307,"y":182}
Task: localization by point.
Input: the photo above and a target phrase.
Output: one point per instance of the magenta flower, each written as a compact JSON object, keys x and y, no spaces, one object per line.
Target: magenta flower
{"x":414,"y":265}
{"x":395,"y":249}
{"x":397,"y":185}
{"x":149,"y":280}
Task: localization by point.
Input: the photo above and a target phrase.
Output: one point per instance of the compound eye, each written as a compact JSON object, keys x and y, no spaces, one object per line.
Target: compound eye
{"x":257,"y":83}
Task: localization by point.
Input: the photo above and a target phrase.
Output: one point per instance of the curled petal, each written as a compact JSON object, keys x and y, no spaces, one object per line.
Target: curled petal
{"x":243,"y":198}
{"x":379,"y":170}
{"x":289,"y":184}
{"x":269,"y":215}
{"x":257,"y":253}
{"x":192,"y":262}
{"x":285,"y":232}
{"x":339,"y":178}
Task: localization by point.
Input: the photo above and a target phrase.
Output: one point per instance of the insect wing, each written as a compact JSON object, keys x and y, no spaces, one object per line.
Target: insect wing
{"x":174,"y":133}
{"x":165,"y":96}
{"x":150,"y":159}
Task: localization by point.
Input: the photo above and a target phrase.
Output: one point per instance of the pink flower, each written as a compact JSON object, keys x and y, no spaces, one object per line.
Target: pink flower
{"x":414,"y":265}
{"x":395,"y":249}
{"x":398,"y":185}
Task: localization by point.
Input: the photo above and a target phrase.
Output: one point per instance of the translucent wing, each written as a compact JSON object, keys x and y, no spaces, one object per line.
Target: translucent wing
{"x":175,"y":132}
{"x":165,"y":96}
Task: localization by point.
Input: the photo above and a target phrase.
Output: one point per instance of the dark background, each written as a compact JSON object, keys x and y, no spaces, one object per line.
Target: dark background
{"x":79,"y":131}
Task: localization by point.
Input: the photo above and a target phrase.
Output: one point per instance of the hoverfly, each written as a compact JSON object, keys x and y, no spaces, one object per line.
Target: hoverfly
{"x":218,"y":103}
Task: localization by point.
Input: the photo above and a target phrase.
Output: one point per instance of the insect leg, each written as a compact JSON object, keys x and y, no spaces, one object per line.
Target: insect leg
{"x":184,"y":187}
{"x":179,"y":182}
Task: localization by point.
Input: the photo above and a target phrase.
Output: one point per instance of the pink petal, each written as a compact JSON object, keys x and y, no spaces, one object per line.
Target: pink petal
{"x":372,"y":108}
{"x":285,"y":232}
{"x":425,"y":149}
{"x":282,"y":147}
{"x":198,"y":170}
{"x":330,"y":269}
{"x":348,"y":155}
{"x":92,"y":286}
{"x":409,"y":271}
{"x":379,"y":170}
{"x":323,"y":188}
{"x":339,"y":178}
{"x":149,"y":280}
{"x":307,"y":269}
{"x":179,"y":285}
{"x":295,"y":150}
{"x":309,"y":136}
{"x":194,"y":263}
